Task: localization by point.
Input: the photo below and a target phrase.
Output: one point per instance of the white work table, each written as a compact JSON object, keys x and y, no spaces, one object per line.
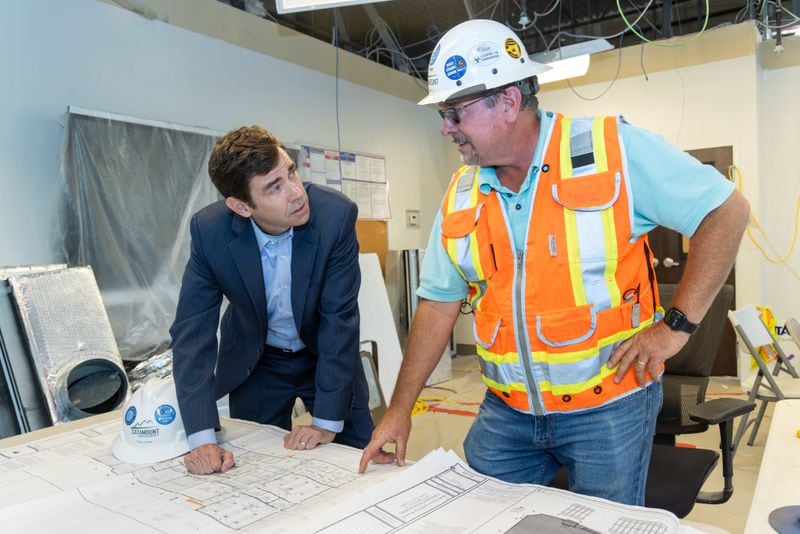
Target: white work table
{"x":70,"y":472}
{"x":779,"y":478}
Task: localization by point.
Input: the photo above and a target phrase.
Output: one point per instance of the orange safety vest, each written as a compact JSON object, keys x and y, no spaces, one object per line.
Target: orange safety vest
{"x":581,"y":286}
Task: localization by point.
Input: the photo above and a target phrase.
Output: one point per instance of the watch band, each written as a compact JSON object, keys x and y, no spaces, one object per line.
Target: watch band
{"x":677,"y":320}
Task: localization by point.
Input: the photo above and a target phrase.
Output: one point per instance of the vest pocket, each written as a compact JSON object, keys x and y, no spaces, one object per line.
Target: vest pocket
{"x":485,"y":328}
{"x":460,"y":223}
{"x":462,"y":230}
{"x":594,"y":192}
{"x":562,"y":328}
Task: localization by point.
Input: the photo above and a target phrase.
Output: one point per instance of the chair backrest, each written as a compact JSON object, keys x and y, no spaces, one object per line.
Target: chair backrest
{"x":697,"y":357}
{"x":748,"y":319}
{"x":755,"y":335}
{"x":686,"y":374}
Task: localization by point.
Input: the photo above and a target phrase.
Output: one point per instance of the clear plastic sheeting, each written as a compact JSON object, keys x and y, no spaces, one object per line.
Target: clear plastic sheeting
{"x":129,"y":188}
{"x":71,"y":342}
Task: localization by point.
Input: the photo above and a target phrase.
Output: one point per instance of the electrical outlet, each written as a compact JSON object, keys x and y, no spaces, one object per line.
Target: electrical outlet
{"x":412,"y":218}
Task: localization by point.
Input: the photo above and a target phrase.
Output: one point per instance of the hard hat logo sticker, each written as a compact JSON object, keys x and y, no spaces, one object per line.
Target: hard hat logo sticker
{"x":484,"y":54}
{"x":512,"y":48}
{"x":455,"y":67}
{"x":144,"y":430}
{"x":165,"y":414}
{"x":130,"y":415}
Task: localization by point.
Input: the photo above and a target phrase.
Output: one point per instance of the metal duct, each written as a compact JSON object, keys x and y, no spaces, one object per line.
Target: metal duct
{"x":22,"y":405}
{"x":71,"y":343}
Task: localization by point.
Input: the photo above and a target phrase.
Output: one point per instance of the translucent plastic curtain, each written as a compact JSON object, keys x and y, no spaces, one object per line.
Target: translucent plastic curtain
{"x":128,"y":190}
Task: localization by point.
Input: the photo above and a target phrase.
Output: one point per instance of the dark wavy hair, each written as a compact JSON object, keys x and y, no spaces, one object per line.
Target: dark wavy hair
{"x":238,"y":156}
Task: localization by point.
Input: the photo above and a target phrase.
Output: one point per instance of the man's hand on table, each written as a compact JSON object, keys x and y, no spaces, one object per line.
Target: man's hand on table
{"x":306,"y":437}
{"x":207,"y":459}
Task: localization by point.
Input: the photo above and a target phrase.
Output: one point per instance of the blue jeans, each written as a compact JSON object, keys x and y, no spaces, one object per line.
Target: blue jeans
{"x":606,"y":450}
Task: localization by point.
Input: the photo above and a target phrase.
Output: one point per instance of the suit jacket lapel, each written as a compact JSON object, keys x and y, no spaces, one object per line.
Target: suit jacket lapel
{"x":244,"y":251}
{"x":304,"y":250}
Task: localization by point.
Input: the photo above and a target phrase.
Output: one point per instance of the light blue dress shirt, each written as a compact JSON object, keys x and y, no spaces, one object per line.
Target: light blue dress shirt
{"x":276,"y":264}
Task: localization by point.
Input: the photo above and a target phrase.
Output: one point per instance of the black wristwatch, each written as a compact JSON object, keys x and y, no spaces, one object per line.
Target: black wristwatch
{"x":677,"y":320}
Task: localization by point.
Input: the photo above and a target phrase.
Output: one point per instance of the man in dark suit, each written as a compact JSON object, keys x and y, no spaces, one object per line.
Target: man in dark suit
{"x":285,"y":256}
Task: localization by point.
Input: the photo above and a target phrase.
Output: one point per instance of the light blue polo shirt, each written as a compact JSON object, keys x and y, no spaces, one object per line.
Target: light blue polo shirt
{"x":669,"y":187}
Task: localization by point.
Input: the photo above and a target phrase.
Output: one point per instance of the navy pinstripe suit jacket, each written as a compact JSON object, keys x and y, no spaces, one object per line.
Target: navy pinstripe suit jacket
{"x":225,"y":261}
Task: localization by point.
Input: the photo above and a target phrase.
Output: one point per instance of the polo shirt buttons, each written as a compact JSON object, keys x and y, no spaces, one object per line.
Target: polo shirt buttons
{"x":518,"y":206}
{"x":545,"y":167}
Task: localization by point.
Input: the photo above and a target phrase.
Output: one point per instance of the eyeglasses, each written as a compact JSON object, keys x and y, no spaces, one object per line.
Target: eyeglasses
{"x":454,"y":114}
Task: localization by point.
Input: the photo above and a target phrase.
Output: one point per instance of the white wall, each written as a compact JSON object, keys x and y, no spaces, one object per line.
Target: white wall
{"x":779,"y":184}
{"x":98,"y":56}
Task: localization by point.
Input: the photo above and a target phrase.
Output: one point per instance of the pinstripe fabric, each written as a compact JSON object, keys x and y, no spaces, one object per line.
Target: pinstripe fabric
{"x":224,"y":260}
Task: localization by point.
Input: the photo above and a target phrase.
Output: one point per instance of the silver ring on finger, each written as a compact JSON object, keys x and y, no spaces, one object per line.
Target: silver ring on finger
{"x":641,"y":363}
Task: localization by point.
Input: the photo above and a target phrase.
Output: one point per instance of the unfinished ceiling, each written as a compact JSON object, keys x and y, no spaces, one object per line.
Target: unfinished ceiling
{"x":402,"y":33}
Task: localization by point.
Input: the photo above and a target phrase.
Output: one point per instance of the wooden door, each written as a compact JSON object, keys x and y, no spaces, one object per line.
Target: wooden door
{"x":670,"y":250}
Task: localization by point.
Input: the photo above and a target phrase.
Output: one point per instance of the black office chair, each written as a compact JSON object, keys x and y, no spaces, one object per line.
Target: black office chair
{"x":686,"y":375}
{"x":677,"y":474}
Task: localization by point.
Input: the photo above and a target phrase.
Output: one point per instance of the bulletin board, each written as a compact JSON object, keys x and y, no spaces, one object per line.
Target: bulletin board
{"x":360,"y":176}
{"x":373,"y":237}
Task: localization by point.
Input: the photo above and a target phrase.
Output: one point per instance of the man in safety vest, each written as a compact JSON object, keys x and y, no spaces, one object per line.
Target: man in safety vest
{"x":543,"y":231}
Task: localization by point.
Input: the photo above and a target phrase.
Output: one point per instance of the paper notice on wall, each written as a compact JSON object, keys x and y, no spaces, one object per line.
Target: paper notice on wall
{"x":361,"y":177}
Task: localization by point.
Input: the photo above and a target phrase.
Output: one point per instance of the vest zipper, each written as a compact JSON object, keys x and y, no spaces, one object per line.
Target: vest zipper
{"x":523,"y":349}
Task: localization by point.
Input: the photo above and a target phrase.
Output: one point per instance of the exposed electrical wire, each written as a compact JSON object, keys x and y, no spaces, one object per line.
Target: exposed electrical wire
{"x":529,"y":24}
{"x":644,"y":17}
{"x":610,"y":85}
{"x":592,"y":37}
{"x":735,"y":175}
{"x":492,"y":6}
{"x":641,"y":62}
{"x":657,"y":43}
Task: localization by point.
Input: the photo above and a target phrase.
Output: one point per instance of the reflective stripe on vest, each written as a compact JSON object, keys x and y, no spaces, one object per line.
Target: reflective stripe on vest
{"x":580,"y":287}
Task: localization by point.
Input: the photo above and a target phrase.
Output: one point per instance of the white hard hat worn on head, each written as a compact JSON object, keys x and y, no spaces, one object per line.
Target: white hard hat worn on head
{"x":476,"y":56}
{"x":152,"y":428}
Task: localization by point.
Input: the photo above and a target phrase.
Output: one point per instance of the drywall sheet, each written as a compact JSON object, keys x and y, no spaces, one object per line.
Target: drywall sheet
{"x":377,"y":323}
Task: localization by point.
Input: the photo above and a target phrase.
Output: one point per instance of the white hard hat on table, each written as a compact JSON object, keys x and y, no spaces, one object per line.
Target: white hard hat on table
{"x":152,"y":428}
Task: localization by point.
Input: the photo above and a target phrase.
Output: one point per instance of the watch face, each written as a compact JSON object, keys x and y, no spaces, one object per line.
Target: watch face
{"x":676,"y":320}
